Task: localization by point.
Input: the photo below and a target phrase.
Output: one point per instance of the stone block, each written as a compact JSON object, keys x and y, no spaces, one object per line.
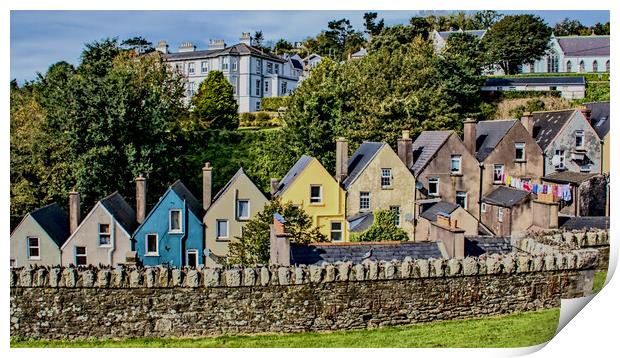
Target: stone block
{"x":118,"y":277}
{"x":405,"y":268}
{"x":316,"y":273}
{"x":508,"y":263}
{"x":163,"y":278}
{"x":232,"y":277}
{"x":571,"y":260}
{"x":523,"y":263}
{"x":390,"y":270}
{"x":103,"y":278}
{"x":70,"y":277}
{"x":453,"y":267}
{"x":264,"y":276}
{"x":135,"y":278}
{"x":40,"y":277}
{"x":25,"y":277}
{"x":549,"y":260}
{"x":343,"y":271}
{"x":360,"y":272}
{"x":176,"y":277}
{"x":580,"y":238}
{"x":470,"y":266}
{"x":284,"y":275}
{"x":423,"y":267}
{"x":493,"y":263}
{"x":54,"y":276}
{"x":212,"y":277}
{"x":299,"y":275}
{"x":538,"y":263}
{"x":149,"y":277}
{"x":373,"y":270}
{"x":591,"y":238}
{"x":88,"y":278}
{"x":437,"y":267}
{"x":13,"y":278}
{"x":193,"y":278}
{"x":330,"y":273}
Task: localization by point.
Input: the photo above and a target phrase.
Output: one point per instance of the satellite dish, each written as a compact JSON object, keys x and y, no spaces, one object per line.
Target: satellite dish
{"x":206,"y":252}
{"x":419,"y":185}
{"x":555,"y":160}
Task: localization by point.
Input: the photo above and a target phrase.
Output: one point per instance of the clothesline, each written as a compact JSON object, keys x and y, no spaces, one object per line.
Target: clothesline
{"x":559,"y":191}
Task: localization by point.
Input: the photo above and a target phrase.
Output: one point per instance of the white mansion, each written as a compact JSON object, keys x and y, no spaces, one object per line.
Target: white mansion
{"x":253,"y":73}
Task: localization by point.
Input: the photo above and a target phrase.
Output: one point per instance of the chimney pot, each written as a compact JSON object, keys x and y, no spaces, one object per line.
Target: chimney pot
{"x":74,"y":210}
{"x":207,"y":172}
{"x":140,"y":199}
{"x":342,"y":159}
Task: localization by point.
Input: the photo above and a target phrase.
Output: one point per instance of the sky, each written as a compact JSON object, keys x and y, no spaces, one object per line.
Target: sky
{"x":41,"y":38}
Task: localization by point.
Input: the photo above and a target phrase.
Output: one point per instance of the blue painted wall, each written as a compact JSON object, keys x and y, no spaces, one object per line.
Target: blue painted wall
{"x":170,"y":247}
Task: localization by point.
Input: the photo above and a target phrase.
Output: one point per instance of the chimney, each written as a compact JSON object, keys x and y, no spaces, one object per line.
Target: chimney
{"x":140,"y":199}
{"x":469,"y":135}
{"x":342,"y":159}
{"x":405,"y":149}
{"x":246,"y":38}
{"x":279,"y":242}
{"x":187,"y":47}
{"x":586,"y":113}
{"x":527,"y":119}
{"x":74,"y":210}
{"x":206,"y":185}
{"x":162,"y":47}
{"x":217,"y":45}
{"x":273,"y":186}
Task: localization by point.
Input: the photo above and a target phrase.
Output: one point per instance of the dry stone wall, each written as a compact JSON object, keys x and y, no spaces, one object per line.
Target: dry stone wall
{"x":70,"y":303}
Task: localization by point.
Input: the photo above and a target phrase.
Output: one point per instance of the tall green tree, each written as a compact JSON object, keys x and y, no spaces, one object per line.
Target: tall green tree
{"x":568,"y":27}
{"x":282,"y":47}
{"x":394,"y":36}
{"x":484,"y":19}
{"x":372,"y":26}
{"x":214,"y":105}
{"x":515,"y":40}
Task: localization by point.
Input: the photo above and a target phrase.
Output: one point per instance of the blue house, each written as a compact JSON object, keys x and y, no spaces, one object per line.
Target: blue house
{"x":172,"y":234}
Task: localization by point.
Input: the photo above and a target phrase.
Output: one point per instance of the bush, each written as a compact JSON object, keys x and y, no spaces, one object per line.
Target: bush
{"x":273,"y":103}
{"x":383,"y":228}
{"x":259,"y":119}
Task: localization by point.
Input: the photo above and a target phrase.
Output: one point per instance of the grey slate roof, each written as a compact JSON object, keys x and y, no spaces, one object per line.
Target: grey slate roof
{"x":361,"y":222}
{"x":527,"y":80}
{"x":192,"y":203}
{"x":566,"y":177}
{"x":54,"y":221}
{"x":548,"y":124}
{"x":506,"y":197}
{"x":600,"y":117}
{"x":360,"y":159}
{"x":489,"y":134}
{"x":292,"y":174}
{"x":121,"y":211}
{"x":478,"y":245}
{"x":584,"y":45}
{"x":425,"y":147}
{"x":583,"y":222}
{"x":238,"y":49}
{"x":356,"y":253}
{"x":297,"y":64}
{"x":478,"y":33}
{"x":441,"y":207}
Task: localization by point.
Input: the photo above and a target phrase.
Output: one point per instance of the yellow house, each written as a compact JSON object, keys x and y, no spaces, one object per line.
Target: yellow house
{"x":309,"y":185}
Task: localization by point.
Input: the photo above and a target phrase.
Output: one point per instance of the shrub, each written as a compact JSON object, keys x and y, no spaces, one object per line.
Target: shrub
{"x":383,"y":228}
{"x":273,"y":103}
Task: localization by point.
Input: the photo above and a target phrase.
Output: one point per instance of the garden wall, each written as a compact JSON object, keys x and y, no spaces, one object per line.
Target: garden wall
{"x":69,"y":303}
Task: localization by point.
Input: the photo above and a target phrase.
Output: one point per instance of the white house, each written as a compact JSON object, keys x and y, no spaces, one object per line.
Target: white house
{"x":570,"y":87}
{"x":253,"y":73}
{"x":580,"y":54}
{"x":441,"y":37}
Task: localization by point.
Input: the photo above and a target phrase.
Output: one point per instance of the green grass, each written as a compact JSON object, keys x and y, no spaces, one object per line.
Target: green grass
{"x":599,"y":281}
{"x":516,"y":330}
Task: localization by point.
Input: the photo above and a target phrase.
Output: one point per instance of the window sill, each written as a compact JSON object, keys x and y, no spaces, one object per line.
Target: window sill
{"x":456,"y":174}
{"x":243,"y":219}
{"x":316,"y":204}
{"x":520,"y":161}
{"x":175,"y":232}
{"x":222,"y":239}
{"x":38,"y":258}
{"x":151,"y":255}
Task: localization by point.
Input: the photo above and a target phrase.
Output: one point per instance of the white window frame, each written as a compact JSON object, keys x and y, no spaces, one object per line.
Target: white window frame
{"x":234,"y":65}
{"x":266,"y":87}
{"x":320,"y":197}
{"x":396,"y":209}
{"x":108,"y":233}
{"x":224,"y":64}
{"x":75,"y":255}
{"x":146,"y":244}
{"x":580,"y":134}
{"x":456,"y":158}
{"x":191,"y":68}
{"x":276,"y":69}
{"x":365,"y":197}
{"x":464,"y":195}
{"x":386,"y":176}
{"x":562,"y":155}
{"x":258,"y":66}
{"x":269,"y":67}
{"x":483,"y":207}
{"x":187,"y":253}
{"x":258,"y":87}
{"x":38,"y":247}
{"x":257,"y":105}
{"x":283,"y":87}
{"x":180,"y":229}
{"x":217,"y":229}
{"x":501,"y":172}
{"x":332,"y":231}
{"x":239,"y":212}
{"x":204,"y":66}
{"x":520,"y":146}
{"x":500,"y":214}
{"x":436,"y":182}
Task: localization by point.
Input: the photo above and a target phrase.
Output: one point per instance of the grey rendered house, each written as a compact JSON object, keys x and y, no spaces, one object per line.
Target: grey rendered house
{"x":38,"y":237}
{"x":104,"y":236}
{"x":507,"y":210}
{"x":567,"y":139}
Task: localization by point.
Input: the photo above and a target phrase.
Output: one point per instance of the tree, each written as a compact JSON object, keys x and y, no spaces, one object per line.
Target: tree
{"x":568,"y":27}
{"x":253,"y":245}
{"x":393,"y":37}
{"x":214,"y":104}
{"x":486,"y":18}
{"x":258,"y":38}
{"x":515,"y":40}
{"x":138,"y":44}
{"x":282,"y":46}
{"x":421,"y":26}
{"x":373,"y":28}
{"x":383,"y":228}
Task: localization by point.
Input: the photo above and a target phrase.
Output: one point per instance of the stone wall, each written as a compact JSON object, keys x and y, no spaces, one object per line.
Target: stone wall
{"x":70,"y":303}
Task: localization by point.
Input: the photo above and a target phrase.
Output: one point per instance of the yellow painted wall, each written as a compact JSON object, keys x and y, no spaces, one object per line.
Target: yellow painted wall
{"x":606,"y":154}
{"x":332,"y":207}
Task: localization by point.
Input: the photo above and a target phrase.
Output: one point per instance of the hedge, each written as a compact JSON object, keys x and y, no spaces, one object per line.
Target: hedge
{"x":259,"y":119}
{"x":273,"y":103}
{"x":500,"y":95}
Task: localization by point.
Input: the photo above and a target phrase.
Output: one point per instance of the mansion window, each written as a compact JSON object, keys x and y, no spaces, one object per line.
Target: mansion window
{"x":595,"y":66}
{"x":455,"y":164}
{"x":284,"y":89}
{"x":80,"y":255}
{"x":433,"y":186}
{"x":204,"y":66}
{"x":552,"y":62}
{"x":461,"y":199}
{"x":569,"y":67}
{"x":336,"y":231}
{"x":266,"y":87}
{"x":269,"y":67}
{"x":364,"y":200}
{"x":257,"y":106}
{"x":258,"y":69}
{"x":234,"y":65}
{"x":191,"y":68}
{"x":498,"y":173}
{"x":104,"y":234}
{"x":34,"y":252}
{"x":316,"y":194}
{"x":151,"y":244}
{"x":386,"y":177}
{"x":224,"y":63}
{"x":174,"y":221}
{"x":277,"y":69}
{"x":258,"y":87}
{"x":582,"y":67}
{"x":520,"y":152}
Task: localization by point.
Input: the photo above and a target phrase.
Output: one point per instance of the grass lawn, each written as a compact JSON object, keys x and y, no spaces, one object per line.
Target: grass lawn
{"x":517,"y":330}
{"x":599,"y":281}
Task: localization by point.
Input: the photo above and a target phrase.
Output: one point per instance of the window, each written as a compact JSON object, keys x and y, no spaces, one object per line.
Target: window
{"x":258,"y":87}
{"x":520,"y":152}
{"x":396,"y":210}
{"x":12,"y":262}
{"x":483,"y":207}
{"x":461,"y":199}
{"x":257,"y":105}
{"x":579,"y":139}
{"x":104,"y":234}
{"x":191,"y":89}
{"x":222,"y":229}
{"x":455,"y":164}
{"x":234,"y":86}
{"x":498,"y":173}
{"x":266,"y":87}
{"x":283,"y":88}
{"x":595,"y":66}
{"x":386,"y":177}
{"x":33,"y":248}
{"x":179,"y":67}
{"x":192,"y":258}
{"x":585,"y":168}
{"x":204,"y":66}
{"x":174,"y":224}
{"x":500,"y":215}
{"x":582,"y":66}
{"x":224,"y":63}
{"x":561,"y":159}
{"x":336,"y":231}
{"x":243,"y":209}
{"x":316,"y":194}
{"x":152,"y":245}
{"x":552,"y":62}
{"x":80,"y":255}
{"x":607,"y":66}
{"x":569,"y":66}
{"x":191,"y":68}
{"x":258,"y":69}
{"x":269,"y":67}
{"x":277,"y":68}
{"x":234,"y":65}
{"x":433,"y":186}
{"x":364,"y":200}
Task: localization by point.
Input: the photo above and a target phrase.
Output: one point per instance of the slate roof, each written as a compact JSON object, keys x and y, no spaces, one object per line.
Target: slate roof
{"x":441,"y":207}
{"x":527,"y":80}
{"x":584,"y":45}
{"x":583,"y":222}
{"x":297,"y":64}
{"x":361,"y":53}
{"x":568,"y":177}
{"x":489,"y":134}
{"x":121,"y":211}
{"x":360,"y":159}
{"x":425,"y":147}
{"x":506,"y":197}
{"x":478,"y":245}
{"x":293,"y":173}
{"x":360,"y":222}
{"x":356,"y":253}
{"x":548,"y":124}
{"x":192,"y":203}
{"x":478,"y":33}
{"x":600,"y":117}
{"x":238,"y":49}
{"x":54,"y":221}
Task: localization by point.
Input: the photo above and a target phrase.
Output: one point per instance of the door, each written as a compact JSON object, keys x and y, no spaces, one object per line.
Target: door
{"x":192,"y":258}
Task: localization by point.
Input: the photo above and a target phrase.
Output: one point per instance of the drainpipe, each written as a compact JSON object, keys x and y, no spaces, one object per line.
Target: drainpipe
{"x":481,"y":166}
{"x":415,"y":192}
{"x":184,"y":236}
{"x":112,"y":239}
